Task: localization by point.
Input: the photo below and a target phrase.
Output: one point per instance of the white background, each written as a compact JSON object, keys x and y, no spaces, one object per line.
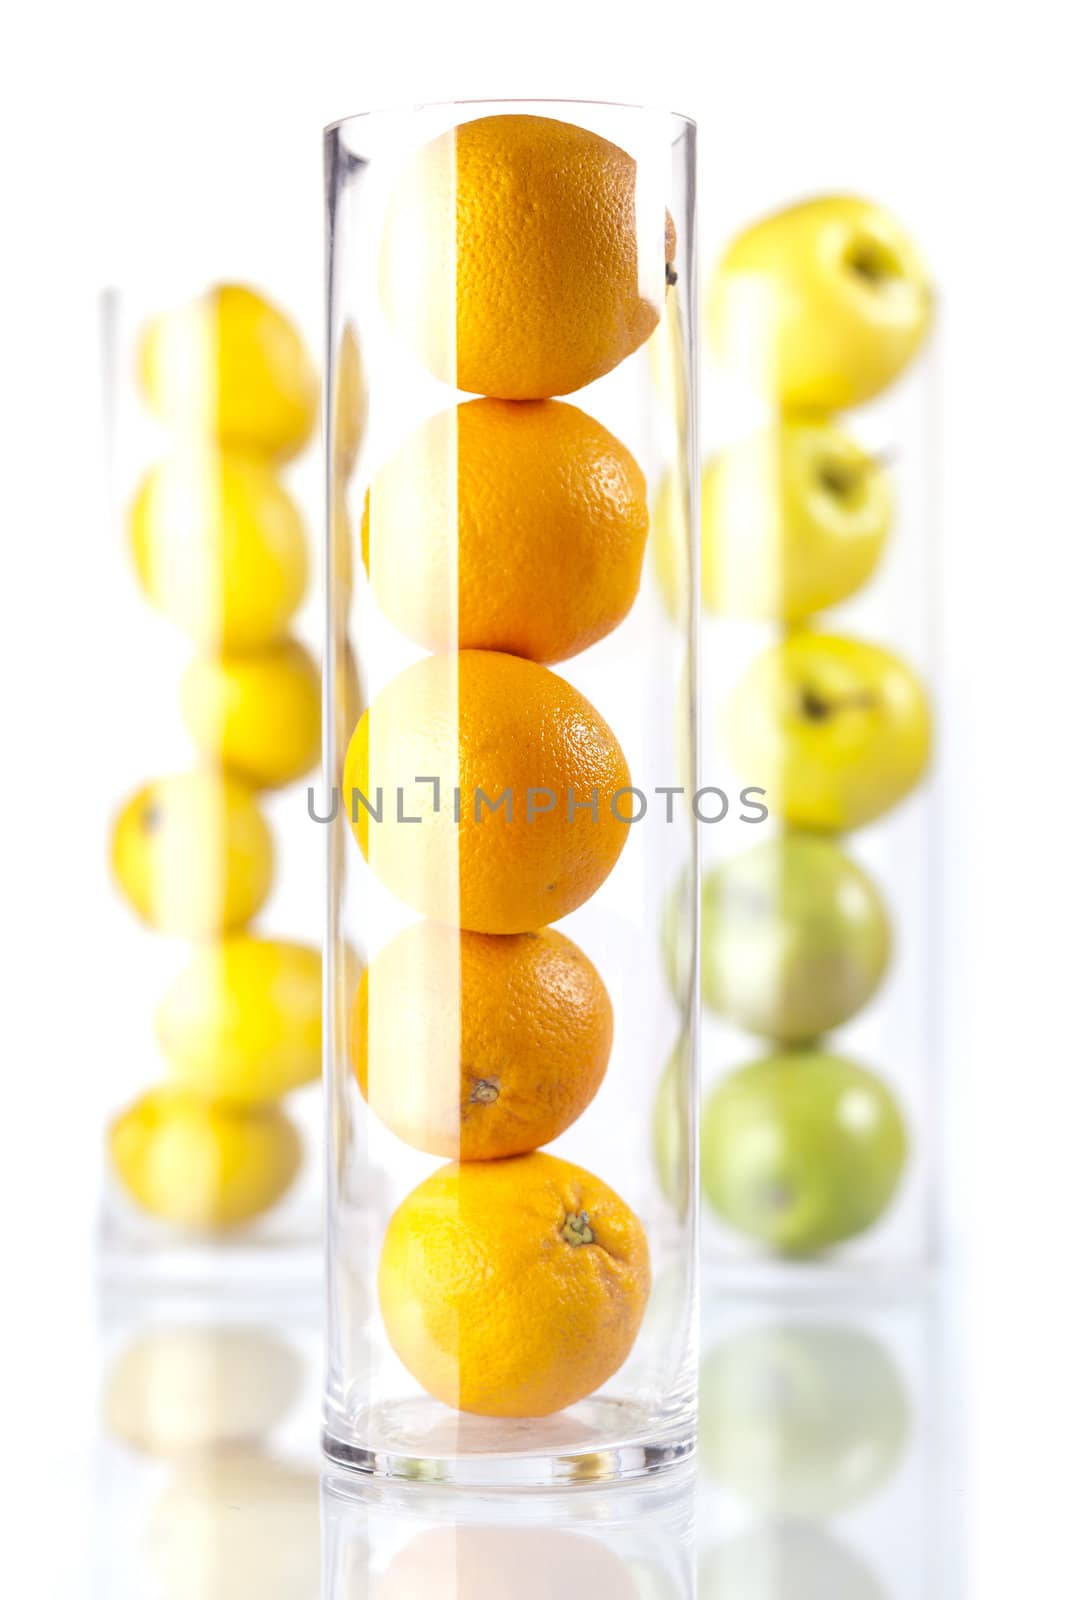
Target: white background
{"x":129,"y":127}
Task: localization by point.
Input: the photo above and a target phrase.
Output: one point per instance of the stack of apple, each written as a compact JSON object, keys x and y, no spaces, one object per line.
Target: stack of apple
{"x":816,"y":309}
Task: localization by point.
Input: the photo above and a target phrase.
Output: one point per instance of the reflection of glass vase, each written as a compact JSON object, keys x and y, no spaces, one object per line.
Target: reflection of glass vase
{"x":210,"y":1103}
{"x":523,"y":679}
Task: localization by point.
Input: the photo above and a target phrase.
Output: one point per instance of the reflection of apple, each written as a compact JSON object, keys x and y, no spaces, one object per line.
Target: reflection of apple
{"x":236,"y":1523}
{"x":794,"y":520}
{"x":801,"y":1150}
{"x":177,"y":1389}
{"x":836,"y":730}
{"x":822,"y":304}
{"x":795,"y":938}
{"x":802,"y":1419}
{"x":784,"y":1563}
{"x":482,"y":1562}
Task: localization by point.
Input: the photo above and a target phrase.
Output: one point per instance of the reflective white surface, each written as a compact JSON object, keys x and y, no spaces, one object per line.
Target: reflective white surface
{"x":829,"y":1432}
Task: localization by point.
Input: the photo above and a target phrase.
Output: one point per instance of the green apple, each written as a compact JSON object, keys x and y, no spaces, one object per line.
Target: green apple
{"x":821,"y":305}
{"x":802,"y":1419}
{"x":836,"y":730}
{"x":780,"y":1562}
{"x":801,"y":1151}
{"x":795,"y":938}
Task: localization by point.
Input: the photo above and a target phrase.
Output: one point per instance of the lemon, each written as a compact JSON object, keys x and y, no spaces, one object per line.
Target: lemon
{"x":243,"y":1021}
{"x":193,"y":854}
{"x":256,"y":713}
{"x":230,"y":366}
{"x":203,"y":1166}
{"x":220,"y":547}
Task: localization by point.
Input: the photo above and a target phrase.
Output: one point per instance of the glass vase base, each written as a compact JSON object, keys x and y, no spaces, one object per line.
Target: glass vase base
{"x":420,"y":1440}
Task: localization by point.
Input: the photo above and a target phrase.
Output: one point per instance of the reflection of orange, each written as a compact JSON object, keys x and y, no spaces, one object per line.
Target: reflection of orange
{"x":513,"y":1288}
{"x":480,"y":1562}
{"x":482,"y":721}
{"x":474,"y":1046}
{"x":510,"y":259}
{"x":501,"y":526}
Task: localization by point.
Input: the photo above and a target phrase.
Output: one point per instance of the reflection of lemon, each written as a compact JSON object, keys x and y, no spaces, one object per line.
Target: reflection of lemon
{"x":243,"y":1022}
{"x":257,"y":714}
{"x":479,"y":1562}
{"x":179,"y":1389}
{"x":220,"y":548}
{"x":236,"y":1523}
{"x":230,"y":366}
{"x":200,"y":1165}
{"x":193,"y":854}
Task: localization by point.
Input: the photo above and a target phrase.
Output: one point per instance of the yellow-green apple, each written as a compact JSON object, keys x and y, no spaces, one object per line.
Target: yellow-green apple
{"x":835,"y":729}
{"x":795,"y":938}
{"x":821,"y":305}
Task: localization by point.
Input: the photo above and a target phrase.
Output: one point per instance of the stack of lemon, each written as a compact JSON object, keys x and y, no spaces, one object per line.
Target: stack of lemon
{"x":817,"y":309}
{"x":220,"y":548}
{"x":506,"y":534}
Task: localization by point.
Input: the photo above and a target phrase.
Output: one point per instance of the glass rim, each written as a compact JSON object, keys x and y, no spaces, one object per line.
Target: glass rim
{"x":679,"y":117}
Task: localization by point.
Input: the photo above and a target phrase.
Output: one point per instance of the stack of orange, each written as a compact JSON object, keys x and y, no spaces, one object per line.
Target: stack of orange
{"x":506,"y":534}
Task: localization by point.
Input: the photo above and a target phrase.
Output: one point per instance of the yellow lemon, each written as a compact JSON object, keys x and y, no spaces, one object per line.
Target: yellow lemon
{"x":231,"y":366}
{"x":220,"y":547}
{"x":258,"y":713}
{"x":201,"y":1165}
{"x":243,"y":1021}
{"x":193,"y":854}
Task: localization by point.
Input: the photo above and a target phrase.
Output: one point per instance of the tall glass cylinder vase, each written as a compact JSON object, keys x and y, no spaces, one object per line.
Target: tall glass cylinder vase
{"x":510,"y":372}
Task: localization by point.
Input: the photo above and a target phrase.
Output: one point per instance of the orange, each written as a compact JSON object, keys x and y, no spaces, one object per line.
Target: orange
{"x":507,"y":526}
{"x":515,"y":262}
{"x":513,"y":1288}
{"x":478,"y":1046}
{"x":454,"y":735}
